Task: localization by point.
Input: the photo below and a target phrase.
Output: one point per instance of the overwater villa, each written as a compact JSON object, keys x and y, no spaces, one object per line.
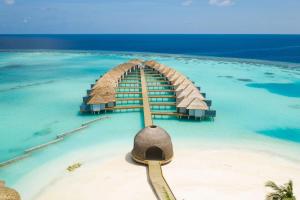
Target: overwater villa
{"x":166,"y":87}
{"x":160,"y":91}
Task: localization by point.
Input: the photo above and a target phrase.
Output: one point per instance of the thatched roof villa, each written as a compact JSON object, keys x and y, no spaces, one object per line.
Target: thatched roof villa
{"x":190,"y":101}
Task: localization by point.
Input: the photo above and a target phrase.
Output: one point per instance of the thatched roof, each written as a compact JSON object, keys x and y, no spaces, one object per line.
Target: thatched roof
{"x":174,"y":77}
{"x":150,"y":63}
{"x":149,"y":137}
{"x":170,"y":73}
{"x":196,"y":94}
{"x":166,"y":70}
{"x":197,"y":104}
{"x":183,"y":85}
{"x":183,"y":102}
{"x":136,"y":61}
{"x":104,"y":89}
{"x":179,"y":80}
{"x":186,"y":91}
{"x":95,"y":99}
{"x":187,"y":94}
{"x":8,"y":193}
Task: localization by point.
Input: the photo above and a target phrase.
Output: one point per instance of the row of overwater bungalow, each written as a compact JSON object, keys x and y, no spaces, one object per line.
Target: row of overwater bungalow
{"x":189,"y":99}
{"x":102,"y":94}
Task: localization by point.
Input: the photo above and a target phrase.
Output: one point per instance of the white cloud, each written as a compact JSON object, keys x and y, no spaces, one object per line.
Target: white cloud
{"x":187,"y":2}
{"x":221,"y":2}
{"x":9,"y":2}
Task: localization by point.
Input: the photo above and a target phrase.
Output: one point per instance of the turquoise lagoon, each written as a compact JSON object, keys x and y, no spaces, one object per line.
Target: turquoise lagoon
{"x":257,"y":103}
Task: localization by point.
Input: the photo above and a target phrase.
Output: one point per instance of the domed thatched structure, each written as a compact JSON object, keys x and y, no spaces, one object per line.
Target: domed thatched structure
{"x":8,"y":193}
{"x":152,"y":143}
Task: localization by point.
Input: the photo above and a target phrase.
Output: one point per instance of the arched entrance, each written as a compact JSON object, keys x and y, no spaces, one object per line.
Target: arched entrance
{"x":154,"y":153}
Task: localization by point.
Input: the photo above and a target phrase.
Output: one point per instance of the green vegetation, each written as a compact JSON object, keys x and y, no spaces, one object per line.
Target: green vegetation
{"x":283,"y":192}
{"x":74,"y":167}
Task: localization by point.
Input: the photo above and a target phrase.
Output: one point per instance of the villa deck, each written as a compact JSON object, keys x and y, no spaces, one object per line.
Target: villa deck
{"x":129,"y":99}
{"x":128,"y":92}
{"x":123,"y":108}
{"x":175,"y":114}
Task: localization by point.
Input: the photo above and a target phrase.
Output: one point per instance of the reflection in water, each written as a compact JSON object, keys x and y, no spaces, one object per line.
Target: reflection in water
{"x":295,"y":106}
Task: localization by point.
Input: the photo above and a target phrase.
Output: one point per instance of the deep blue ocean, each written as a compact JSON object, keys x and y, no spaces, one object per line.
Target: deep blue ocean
{"x":263,"y":47}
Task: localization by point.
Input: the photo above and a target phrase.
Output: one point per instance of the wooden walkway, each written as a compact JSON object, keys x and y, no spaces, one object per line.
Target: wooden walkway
{"x":126,"y":87}
{"x":128,"y":92}
{"x":158,"y":182}
{"x":129,"y":99}
{"x":176,"y":114}
{"x":161,"y":90}
{"x":123,"y":107}
{"x":147,"y":111}
{"x":163,"y":103}
{"x":163,"y":97}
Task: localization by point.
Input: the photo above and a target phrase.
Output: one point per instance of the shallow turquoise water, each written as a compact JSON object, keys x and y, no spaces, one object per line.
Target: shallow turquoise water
{"x":258,"y":106}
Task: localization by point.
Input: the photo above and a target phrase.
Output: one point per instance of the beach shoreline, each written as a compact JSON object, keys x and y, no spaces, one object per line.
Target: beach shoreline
{"x":211,"y":174}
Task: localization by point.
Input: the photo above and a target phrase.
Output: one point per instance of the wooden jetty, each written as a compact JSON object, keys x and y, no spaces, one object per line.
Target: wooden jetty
{"x":175,"y":114}
{"x":158,"y":181}
{"x":128,"y":93}
{"x":38,"y":147}
{"x":129,"y":99}
{"x":163,"y":97}
{"x":71,"y":132}
{"x":124,"y":107}
{"x":162,"y":103}
{"x":15,"y":159}
{"x":146,"y":105}
{"x":124,"y":87}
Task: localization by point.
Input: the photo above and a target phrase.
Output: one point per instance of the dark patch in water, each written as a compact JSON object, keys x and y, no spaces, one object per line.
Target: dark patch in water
{"x":296,"y":106}
{"x":289,"y":134}
{"x":269,"y":73}
{"x":12,"y":66}
{"x":284,"y":89}
{"x":42,"y":132}
{"x":225,"y":76}
{"x":25,"y":86}
{"x":14,"y":150}
{"x":244,"y":79}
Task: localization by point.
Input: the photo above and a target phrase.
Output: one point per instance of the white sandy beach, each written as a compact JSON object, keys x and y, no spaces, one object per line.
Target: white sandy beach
{"x":193,"y":174}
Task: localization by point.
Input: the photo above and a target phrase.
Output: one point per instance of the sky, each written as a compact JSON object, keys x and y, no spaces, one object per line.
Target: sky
{"x":150,"y":16}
